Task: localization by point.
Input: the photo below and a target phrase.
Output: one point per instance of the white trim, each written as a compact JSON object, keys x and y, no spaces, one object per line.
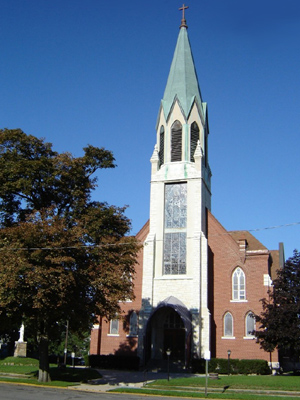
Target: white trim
{"x":258,"y":252}
{"x":238,"y":301}
{"x":228,"y":337}
{"x":166,"y":277}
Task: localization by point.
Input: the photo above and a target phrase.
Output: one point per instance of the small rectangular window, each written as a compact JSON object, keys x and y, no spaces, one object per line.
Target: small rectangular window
{"x":114,"y":327}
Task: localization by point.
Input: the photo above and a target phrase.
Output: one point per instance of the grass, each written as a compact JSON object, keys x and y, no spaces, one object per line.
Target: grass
{"x":201,"y":395}
{"x":27,"y":368}
{"x":261,"y":387}
{"x":257,"y":382}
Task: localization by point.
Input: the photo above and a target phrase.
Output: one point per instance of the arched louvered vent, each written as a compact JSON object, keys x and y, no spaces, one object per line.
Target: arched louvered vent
{"x":176,"y":141}
{"x":161,"y":146}
{"x":206,"y":147}
{"x":194,"y":139}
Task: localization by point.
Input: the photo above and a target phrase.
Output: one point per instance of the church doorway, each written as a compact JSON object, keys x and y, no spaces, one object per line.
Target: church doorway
{"x":166,"y":331}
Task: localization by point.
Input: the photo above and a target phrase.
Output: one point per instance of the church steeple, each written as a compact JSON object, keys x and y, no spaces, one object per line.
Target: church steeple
{"x":182,"y":81}
{"x":175,"y":254}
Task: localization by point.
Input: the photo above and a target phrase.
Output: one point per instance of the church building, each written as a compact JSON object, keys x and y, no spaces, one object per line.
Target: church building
{"x":197,"y":285}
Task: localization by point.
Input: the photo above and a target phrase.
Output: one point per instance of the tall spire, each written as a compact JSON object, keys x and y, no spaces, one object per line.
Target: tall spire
{"x":182,"y":81}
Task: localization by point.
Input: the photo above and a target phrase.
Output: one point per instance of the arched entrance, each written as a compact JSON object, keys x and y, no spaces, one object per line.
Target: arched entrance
{"x":169,"y":327}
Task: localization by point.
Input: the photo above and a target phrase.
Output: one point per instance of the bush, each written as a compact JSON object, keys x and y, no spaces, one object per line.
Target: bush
{"x":258,"y":367}
{"x":220,"y":365}
{"x":114,"y":362}
{"x":198,"y":365}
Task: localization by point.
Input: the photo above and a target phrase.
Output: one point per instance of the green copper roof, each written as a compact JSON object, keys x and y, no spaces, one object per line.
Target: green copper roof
{"x":182,"y":81}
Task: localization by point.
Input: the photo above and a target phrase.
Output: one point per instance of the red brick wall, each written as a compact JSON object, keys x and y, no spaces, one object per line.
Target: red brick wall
{"x":225,"y":256}
{"x":104,"y":343}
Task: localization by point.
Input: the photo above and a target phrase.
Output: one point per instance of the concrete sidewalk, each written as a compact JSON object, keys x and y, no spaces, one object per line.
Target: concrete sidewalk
{"x":112,"y":379}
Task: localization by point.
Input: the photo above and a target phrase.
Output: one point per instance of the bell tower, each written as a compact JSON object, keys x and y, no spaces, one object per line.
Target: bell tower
{"x":175,"y":264}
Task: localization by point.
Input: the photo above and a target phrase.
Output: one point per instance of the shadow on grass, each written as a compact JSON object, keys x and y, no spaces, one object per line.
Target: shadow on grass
{"x":72,"y":374}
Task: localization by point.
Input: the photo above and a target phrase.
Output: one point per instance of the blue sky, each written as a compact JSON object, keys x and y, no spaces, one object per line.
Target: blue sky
{"x":80,"y":72}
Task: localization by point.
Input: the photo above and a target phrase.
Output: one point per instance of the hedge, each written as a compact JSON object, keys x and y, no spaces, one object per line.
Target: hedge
{"x":236,"y":366}
{"x":114,"y":362}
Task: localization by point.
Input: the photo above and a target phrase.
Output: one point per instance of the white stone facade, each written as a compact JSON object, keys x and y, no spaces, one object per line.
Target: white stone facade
{"x":190,"y":288}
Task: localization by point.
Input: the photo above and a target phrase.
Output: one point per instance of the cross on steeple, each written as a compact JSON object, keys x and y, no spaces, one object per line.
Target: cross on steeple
{"x":183,"y":21}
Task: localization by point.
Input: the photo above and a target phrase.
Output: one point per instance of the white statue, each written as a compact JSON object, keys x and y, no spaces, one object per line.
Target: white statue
{"x":21,"y":332}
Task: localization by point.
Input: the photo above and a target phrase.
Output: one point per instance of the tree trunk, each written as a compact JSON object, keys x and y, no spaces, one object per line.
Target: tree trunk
{"x":44,"y":375}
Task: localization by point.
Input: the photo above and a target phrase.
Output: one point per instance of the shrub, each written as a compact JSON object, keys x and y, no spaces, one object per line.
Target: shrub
{"x":198,"y":365}
{"x":220,"y":365}
{"x":259,"y":367}
{"x":114,"y":362}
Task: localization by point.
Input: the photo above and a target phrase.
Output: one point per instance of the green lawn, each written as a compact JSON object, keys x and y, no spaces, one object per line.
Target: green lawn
{"x":210,"y":395}
{"x":241,"y":385}
{"x":19,"y":361}
{"x":28,"y":368}
{"x":264,"y":382}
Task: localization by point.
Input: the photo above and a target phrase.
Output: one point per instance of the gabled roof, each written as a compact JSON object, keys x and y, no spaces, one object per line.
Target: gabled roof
{"x":182,"y":81}
{"x":252,"y":242}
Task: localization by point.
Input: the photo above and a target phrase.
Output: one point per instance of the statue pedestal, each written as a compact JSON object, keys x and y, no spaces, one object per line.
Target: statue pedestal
{"x":20,"y":349}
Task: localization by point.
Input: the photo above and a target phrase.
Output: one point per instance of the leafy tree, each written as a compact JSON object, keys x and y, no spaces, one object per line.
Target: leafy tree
{"x":63,"y":257}
{"x":279,"y":322}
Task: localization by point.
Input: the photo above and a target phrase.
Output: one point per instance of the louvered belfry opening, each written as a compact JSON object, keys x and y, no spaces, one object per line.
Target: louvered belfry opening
{"x":176,"y":141}
{"x":161,"y":146}
{"x":194,"y":139}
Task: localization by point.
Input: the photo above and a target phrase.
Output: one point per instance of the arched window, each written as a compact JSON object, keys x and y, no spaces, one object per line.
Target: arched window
{"x":238,"y":285}
{"x":176,"y":141}
{"x":228,"y":324}
{"x":133,"y":324}
{"x":161,"y":146}
{"x":194,"y":139}
{"x":250,"y":324}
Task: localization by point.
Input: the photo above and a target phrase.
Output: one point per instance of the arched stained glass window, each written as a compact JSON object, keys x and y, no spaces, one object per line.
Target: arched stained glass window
{"x":250,"y":324}
{"x":176,"y":141}
{"x":238,"y":285}
{"x":133,"y":324}
{"x":228,"y":324}
{"x":194,"y":139}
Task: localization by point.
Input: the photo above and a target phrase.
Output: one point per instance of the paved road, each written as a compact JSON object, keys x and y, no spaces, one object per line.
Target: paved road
{"x":25,"y":392}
